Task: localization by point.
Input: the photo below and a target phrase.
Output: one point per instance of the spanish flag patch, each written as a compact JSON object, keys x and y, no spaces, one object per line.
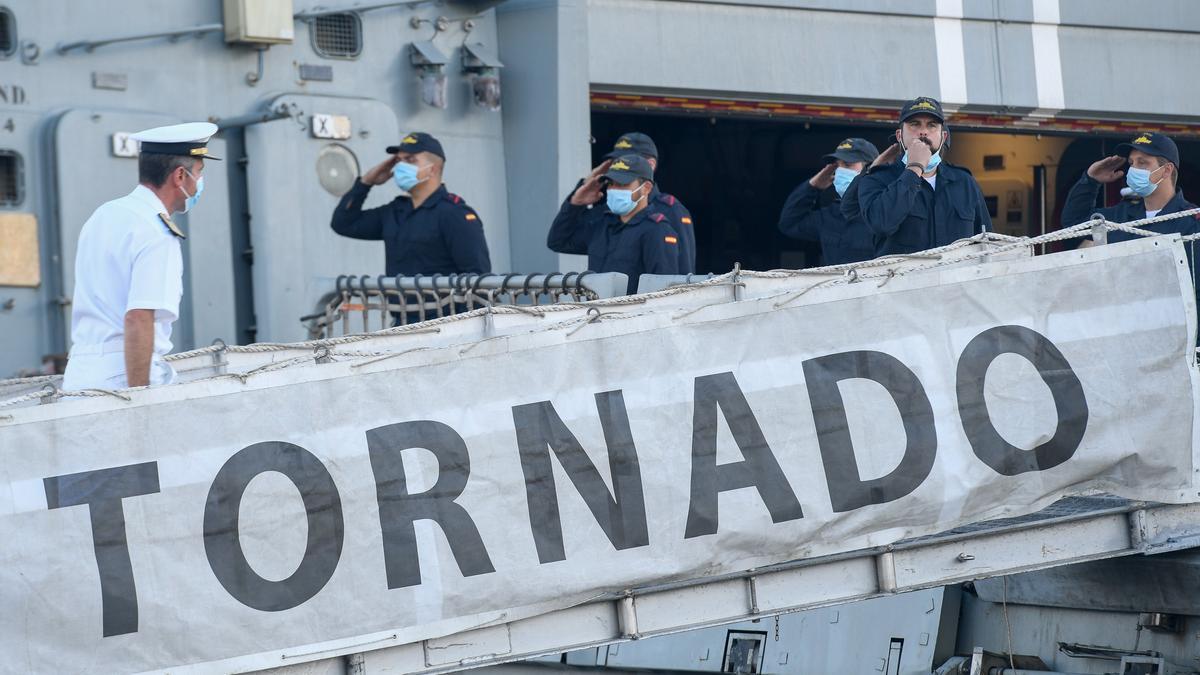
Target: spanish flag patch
{"x":472,"y":216}
{"x":685,"y":220}
{"x":670,"y":240}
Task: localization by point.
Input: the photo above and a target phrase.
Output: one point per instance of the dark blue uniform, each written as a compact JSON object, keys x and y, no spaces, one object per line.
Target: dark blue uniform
{"x":906,"y":215}
{"x":843,"y":238}
{"x":1081,"y":204}
{"x":680,"y":220}
{"x":677,"y":216}
{"x":441,"y":236}
{"x":647,"y":244}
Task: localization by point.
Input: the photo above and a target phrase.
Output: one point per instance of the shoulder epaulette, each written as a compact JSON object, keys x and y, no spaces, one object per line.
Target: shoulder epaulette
{"x":171,"y":226}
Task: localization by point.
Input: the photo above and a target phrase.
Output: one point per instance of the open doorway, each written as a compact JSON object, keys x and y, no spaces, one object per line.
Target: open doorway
{"x":734,"y":175}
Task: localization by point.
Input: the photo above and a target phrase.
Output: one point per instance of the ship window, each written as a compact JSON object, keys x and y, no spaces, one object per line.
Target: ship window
{"x":11,"y":181}
{"x":337,"y":36}
{"x":8,"y":33}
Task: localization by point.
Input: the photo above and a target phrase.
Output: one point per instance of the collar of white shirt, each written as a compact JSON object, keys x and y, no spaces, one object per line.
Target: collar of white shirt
{"x":145,"y":195}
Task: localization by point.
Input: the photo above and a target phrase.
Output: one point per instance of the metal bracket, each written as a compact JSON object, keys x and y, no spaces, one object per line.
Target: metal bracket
{"x":627,"y":617}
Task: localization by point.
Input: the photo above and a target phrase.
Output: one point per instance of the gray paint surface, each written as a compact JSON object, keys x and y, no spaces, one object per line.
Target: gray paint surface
{"x":197,"y":78}
{"x":1000,"y":68}
{"x":1168,"y":15}
{"x":758,"y":50}
{"x":1104,"y":71}
{"x":544,"y":45}
{"x":850,"y":638}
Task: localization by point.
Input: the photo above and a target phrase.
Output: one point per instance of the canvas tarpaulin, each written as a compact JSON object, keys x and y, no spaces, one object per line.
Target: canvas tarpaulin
{"x":231,"y":523}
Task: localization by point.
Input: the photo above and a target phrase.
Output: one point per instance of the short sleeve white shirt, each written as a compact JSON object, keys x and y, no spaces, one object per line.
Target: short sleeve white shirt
{"x":126,"y":259}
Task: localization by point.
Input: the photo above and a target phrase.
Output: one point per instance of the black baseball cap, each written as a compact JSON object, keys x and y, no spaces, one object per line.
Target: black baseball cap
{"x":1159,"y":145}
{"x":853,"y":150}
{"x":418,"y":141}
{"x":626,"y":168}
{"x":922,"y":105}
{"x":633,"y":143}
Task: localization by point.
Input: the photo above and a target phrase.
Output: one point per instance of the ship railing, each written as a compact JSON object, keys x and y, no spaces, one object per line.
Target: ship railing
{"x":363,"y":303}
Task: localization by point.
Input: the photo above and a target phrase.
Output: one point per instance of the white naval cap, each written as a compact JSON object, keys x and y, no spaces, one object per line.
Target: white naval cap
{"x":187,"y":140}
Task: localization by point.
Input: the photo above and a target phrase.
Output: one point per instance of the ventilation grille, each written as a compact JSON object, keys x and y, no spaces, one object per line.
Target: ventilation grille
{"x":337,"y":36}
{"x":11,"y":180}
{"x":8,"y":33}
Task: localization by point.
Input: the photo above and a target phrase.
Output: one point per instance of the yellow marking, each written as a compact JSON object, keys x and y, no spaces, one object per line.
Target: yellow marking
{"x":166,"y":220}
{"x":199,"y":151}
{"x":619,"y":165}
{"x":686,"y":221}
{"x":623,"y":143}
{"x":923,"y":105}
{"x":845,"y":146}
{"x":670,"y":240}
{"x":1144,"y":139}
{"x":409,"y":140}
{"x":471,"y":216}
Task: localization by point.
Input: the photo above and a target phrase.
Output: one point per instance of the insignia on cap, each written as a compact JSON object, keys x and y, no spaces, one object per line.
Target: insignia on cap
{"x":623,"y":143}
{"x":166,"y":220}
{"x":923,"y":104}
{"x":619,"y":165}
{"x":409,"y":140}
{"x":1144,"y":139}
{"x":199,"y":151}
{"x":846,"y":145}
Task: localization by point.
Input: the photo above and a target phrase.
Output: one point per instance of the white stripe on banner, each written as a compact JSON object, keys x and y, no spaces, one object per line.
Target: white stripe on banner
{"x":1047,"y":60}
{"x":952,"y":63}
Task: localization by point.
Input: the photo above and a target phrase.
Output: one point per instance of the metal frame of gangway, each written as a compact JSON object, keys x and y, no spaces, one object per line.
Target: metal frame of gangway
{"x":421,"y":298}
{"x":1073,"y":530}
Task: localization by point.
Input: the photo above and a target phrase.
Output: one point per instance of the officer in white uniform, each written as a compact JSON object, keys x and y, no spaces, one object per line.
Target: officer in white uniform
{"x":129,"y":267}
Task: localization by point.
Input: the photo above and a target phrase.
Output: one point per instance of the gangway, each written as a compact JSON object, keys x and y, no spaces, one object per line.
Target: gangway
{"x":610,"y":552}
{"x":1072,"y":530}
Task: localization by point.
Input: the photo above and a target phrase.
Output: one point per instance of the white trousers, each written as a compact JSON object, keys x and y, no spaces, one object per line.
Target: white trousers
{"x":103,"y":367}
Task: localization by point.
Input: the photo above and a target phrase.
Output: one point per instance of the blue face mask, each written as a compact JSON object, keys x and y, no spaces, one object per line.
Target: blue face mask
{"x":405,"y":176}
{"x":192,"y":199}
{"x":934,"y":160}
{"x":621,"y":202}
{"x":1138,"y":180}
{"x":842,"y":178}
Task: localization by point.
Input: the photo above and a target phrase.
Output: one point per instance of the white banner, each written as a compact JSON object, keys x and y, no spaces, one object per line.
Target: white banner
{"x":237,"y":526}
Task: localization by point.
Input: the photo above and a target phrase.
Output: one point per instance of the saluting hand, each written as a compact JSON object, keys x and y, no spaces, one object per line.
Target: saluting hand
{"x":382,"y":172}
{"x":824,"y":178}
{"x":919,"y":151}
{"x":590,"y":192}
{"x":887,"y":156}
{"x":1108,"y":170}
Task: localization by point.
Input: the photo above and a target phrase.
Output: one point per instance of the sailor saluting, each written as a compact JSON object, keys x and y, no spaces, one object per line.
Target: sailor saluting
{"x":129,"y":267}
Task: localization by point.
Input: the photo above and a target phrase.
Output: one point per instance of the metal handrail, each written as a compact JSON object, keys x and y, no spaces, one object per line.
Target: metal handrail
{"x":362,"y":303}
{"x":89,"y":45}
